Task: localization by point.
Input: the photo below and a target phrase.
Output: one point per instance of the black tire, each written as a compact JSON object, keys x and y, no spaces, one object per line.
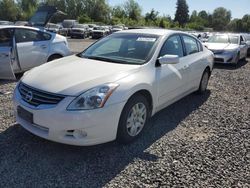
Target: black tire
{"x":237,"y":60}
{"x":54,"y":57}
{"x":123,"y":135}
{"x":204,"y":82}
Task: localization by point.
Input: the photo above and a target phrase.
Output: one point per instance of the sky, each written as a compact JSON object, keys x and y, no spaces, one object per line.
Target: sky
{"x":168,"y":7}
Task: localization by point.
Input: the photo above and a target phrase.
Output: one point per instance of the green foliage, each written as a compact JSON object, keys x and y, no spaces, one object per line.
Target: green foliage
{"x":84,"y":19}
{"x":181,"y":15}
{"x":129,"y":13}
{"x":221,"y":18}
{"x":132,"y":10}
{"x":9,"y":10}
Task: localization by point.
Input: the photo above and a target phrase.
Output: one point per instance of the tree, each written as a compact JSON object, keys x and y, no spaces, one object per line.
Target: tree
{"x":151,"y":16}
{"x":133,"y":10}
{"x":203,"y":14}
{"x":9,"y":10}
{"x":221,"y":18}
{"x":181,"y":15}
{"x":27,"y":7}
{"x":118,"y":12}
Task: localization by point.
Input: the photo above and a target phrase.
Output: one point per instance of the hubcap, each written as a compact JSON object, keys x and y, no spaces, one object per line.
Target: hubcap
{"x":204,"y":81}
{"x":136,"y":119}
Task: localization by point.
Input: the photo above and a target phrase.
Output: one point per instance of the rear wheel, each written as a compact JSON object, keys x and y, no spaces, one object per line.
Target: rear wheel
{"x":237,"y":59}
{"x":204,"y":82}
{"x":133,"y":119}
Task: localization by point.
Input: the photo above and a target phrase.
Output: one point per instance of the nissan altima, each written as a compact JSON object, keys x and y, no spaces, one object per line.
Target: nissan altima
{"x":227,"y":48}
{"x":109,"y":91}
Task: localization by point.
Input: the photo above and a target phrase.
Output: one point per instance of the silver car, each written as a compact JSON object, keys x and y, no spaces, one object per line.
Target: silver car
{"x":227,"y":48}
{"x":247,"y":37}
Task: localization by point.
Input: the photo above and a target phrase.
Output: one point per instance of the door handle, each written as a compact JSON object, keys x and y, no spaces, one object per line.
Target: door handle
{"x":185,"y":67}
{"x":43,"y":46}
{"x":4,"y":55}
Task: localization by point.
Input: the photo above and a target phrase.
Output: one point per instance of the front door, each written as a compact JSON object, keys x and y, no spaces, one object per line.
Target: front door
{"x":6,"y":54}
{"x":172,"y":78}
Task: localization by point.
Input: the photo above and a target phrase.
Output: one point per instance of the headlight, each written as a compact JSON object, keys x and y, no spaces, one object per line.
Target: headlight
{"x":93,"y":98}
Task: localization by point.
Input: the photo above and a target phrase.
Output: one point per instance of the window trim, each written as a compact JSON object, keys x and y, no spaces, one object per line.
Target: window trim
{"x":197,"y":42}
{"x":39,"y":32}
{"x":172,"y":35}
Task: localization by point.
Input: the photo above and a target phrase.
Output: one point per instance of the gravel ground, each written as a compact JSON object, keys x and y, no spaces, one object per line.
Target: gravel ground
{"x":200,"y":141}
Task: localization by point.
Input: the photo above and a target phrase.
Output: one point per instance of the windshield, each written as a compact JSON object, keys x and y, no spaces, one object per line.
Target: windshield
{"x":99,"y":28}
{"x":68,"y":23}
{"x":123,"y":48}
{"x":79,"y":26}
{"x":223,"y":39}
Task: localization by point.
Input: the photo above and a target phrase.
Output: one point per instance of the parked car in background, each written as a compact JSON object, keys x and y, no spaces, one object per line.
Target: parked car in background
{"x":80,"y":30}
{"x":247,"y":38}
{"x":21,"y":23}
{"x":22,"y":48}
{"x":117,"y":28}
{"x":227,"y":48}
{"x":110,"y":90}
{"x":6,"y":23}
{"x":55,"y":28}
{"x":99,"y":32}
{"x":67,"y":26}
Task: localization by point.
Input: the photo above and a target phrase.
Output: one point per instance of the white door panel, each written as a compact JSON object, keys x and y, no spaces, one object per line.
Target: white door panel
{"x":32,"y":54}
{"x":196,"y":63}
{"x":172,"y":81}
{"x":6,"y":71}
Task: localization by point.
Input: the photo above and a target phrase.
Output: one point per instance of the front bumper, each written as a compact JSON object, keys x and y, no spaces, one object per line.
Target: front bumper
{"x":228,"y":58}
{"x":57,"y":124}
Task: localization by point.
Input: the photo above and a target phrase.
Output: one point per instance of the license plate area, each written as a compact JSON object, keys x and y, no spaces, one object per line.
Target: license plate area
{"x":24,"y":114}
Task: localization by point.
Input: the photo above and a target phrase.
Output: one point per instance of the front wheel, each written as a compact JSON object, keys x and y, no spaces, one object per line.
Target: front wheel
{"x":204,"y":82}
{"x":133,"y":119}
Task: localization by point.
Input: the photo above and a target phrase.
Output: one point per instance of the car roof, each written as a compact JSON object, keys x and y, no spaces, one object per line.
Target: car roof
{"x":159,"y":32}
{"x":20,"y":27}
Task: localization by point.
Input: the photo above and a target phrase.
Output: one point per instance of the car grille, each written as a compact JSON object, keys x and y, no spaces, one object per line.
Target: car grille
{"x":217,"y":51}
{"x":37,"y":97}
{"x":219,"y":60}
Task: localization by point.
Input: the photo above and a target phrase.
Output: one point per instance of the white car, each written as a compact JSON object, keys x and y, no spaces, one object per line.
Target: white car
{"x":22,"y":48}
{"x":110,"y":90}
{"x":227,"y":48}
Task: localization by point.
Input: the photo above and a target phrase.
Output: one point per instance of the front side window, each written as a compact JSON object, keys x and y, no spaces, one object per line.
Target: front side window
{"x":122,"y":48}
{"x":190,"y":45}
{"x":172,"y":46}
{"x":26,"y":35}
{"x":5,"y":37}
{"x":234,"y":39}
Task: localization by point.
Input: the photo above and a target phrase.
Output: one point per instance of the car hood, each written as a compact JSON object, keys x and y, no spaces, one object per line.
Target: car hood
{"x":221,"y":46}
{"x":73,"y":75}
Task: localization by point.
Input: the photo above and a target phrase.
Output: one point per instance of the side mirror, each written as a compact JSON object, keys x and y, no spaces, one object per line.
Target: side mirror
{"x":169,"y":59}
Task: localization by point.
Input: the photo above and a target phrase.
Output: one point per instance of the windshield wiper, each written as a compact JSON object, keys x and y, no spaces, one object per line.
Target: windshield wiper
{"x":106,"y":59}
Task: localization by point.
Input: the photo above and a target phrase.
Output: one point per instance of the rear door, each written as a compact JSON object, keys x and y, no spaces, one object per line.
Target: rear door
{"x":194,"y":57}
{"x":6,"y":54}
{"x":243,"y":47}
{"x":32,"y":47}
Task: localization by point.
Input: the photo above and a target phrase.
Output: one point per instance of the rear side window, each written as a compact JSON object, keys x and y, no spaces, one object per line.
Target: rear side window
{"x":5,"y":37}
{"x":191,"y":45}
{"x":172,"y":46}
{"x":27,"y":35}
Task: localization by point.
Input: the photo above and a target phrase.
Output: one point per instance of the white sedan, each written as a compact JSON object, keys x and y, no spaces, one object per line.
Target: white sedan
{"x":22,"y":48}
{"x":110,"y":90}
